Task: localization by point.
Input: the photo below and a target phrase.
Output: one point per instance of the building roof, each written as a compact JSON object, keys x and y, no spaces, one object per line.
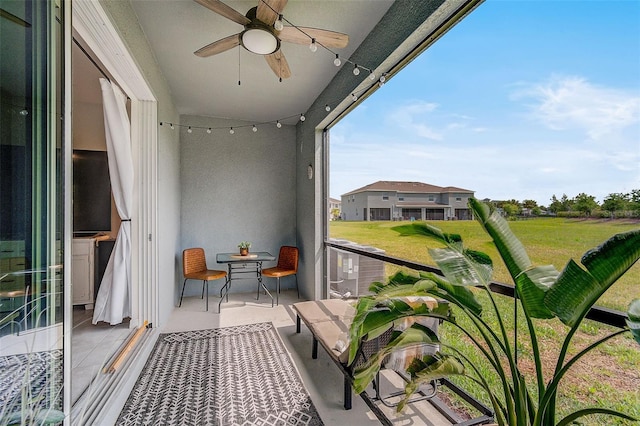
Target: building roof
{"x":407,"y":187}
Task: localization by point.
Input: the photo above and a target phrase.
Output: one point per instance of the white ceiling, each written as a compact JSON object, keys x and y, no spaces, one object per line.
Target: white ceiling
{"x":209,"y":86}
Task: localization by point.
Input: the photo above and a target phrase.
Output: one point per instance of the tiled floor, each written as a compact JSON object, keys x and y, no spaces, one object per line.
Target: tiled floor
{"x":92,"y":347}
{"x":321,"y":377}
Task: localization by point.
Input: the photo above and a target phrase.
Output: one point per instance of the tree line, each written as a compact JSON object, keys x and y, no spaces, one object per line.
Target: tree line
{"x":614,"y":205}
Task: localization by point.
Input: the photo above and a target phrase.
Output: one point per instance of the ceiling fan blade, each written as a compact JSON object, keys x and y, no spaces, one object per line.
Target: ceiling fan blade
{"x":219,"y":46}
{"x":13,"y":18}
{"x":268,"y":10}
{"x":278,"y":64}
{"x":303,"y":35}
{"x":227,"y":11}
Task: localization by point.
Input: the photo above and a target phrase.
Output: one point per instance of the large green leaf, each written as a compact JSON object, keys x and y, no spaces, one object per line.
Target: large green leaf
{"x":375,"y":315}
{"x":411,"y":338}
{"x":427,"y":369}
{"x":634,"y":319}
{"x":577,"y":290}
{"x":510,"y":248}
{"x":422,"y":228}
{"x":614,"y":257}
{"x":465,"y":268}
{"x":532,"y":286}
{"x":459,"y":295}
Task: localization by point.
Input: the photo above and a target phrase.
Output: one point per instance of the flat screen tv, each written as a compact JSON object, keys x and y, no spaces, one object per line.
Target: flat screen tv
{"x":91,"y":193}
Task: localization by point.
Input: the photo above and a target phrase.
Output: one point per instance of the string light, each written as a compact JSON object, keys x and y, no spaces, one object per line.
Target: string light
{"x":337,"y":62}
{"x":354,"y":97}
{"x":313,"y":46}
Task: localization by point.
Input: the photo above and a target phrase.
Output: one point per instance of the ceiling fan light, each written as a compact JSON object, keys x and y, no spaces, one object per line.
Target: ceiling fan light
{"x":337,"y":62}
{"x":260,"y":41}
{"x":313,"y":46}
{"x":278,"y":25}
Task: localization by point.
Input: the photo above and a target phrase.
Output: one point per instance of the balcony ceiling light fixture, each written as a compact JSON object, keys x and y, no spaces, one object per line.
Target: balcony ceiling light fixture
{"x":259,"y":38}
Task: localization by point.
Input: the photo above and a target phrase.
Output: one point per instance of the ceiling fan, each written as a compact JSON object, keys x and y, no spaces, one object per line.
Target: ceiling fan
{"x":263,"y":33}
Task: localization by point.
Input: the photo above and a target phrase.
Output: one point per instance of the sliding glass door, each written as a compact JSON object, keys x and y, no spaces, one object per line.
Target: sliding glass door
{"x":31,"y":210}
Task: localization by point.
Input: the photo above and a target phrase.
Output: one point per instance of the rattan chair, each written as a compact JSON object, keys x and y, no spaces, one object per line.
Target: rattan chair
{"x":287,"y":265}
{"x":194,"y":267}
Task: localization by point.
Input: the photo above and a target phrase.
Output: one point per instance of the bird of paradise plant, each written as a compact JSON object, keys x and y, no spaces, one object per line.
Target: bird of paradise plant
{"x":542,"y":291}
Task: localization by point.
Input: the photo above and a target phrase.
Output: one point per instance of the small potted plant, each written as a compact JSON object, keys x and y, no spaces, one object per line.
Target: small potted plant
{"x":244,"y":248}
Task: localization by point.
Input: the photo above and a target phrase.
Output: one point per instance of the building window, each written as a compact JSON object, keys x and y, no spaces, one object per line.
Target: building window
{"x":400,"y":198}
{"x":458,"y":198}
{"x":385,"y":197}
{"x":431,"y":198}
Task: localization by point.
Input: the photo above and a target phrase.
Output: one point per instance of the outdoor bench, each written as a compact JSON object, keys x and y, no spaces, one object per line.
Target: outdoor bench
{"x":329,"y":321}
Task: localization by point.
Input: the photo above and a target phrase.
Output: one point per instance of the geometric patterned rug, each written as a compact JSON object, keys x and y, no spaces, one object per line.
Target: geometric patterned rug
{"x":33,"y":380}
{"x":240,"y":375}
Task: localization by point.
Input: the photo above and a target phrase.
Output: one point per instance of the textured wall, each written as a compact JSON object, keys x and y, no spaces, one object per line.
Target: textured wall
{"x":235,"y":188}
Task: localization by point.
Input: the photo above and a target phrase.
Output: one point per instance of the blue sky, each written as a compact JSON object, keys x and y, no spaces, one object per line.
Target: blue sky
{"x":522,"y":99}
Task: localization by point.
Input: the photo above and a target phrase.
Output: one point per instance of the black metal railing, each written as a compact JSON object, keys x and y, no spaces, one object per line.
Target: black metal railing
{"x":599,"y":314}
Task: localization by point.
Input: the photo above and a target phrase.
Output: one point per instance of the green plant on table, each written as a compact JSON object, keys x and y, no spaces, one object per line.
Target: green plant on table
{"x":542,"y":291}
{"x":244,"y":245}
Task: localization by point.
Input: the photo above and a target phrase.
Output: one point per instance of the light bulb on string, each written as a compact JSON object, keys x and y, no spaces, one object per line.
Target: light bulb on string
{"x":209,"y":130}
{"x":302,"y":117}
{"x":372,"y":75}
{"x":171,"y":125}
{"x":231,"y":131}
{"x":254,"y":128}
{"x":356,"y":70}
{"x":313,"y":46}
{"x":278,"y":25}
{"x":189,"y":130}
{"x":327,"y":108}
{"x":383,"y":78}
{"x":278,"y":124}
{"x":337,"y":62}
{"x":354,"y":97}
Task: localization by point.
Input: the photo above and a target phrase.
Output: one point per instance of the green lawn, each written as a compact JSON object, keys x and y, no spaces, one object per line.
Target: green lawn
{"x":608,"y":377}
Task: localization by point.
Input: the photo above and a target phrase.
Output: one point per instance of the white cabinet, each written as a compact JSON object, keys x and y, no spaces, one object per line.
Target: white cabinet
{"x":83,"y":271}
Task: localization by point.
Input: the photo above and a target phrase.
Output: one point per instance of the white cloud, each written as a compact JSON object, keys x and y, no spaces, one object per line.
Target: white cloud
{"x":570,"y":102}
{"x":412,"y":116}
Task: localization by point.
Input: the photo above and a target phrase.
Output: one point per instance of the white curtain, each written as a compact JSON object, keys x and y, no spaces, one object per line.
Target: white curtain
{"x":113,"y":302}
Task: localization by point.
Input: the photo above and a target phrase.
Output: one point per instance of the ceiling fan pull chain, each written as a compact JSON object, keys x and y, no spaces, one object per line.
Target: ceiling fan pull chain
{"x":239,"y":67}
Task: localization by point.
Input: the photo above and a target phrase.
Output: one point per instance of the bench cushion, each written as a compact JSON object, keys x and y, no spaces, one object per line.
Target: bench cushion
{"x":329,"y":321}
